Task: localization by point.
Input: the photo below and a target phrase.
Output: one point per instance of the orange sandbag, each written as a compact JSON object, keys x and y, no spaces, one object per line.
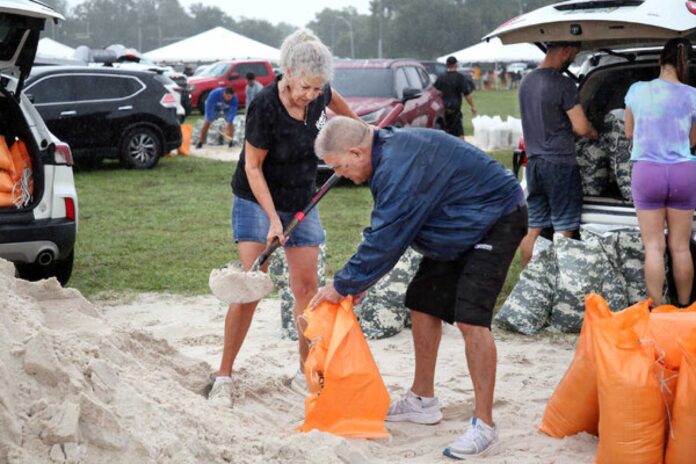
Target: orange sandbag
{"x":21,"y":160}
{"x":5,"y":156}
{"x":5,"y":182}
{"x":672,"y":309}
{"x":185,"y":148}
{"x":347,"y":395}
{"x":6,"y":199}
{"x":681,"y":444}
{"x":632,"y":415}
{"x":574,"y":407}
{"x":666,"y":328}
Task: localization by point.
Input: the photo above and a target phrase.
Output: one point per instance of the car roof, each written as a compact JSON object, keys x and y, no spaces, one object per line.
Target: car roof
{"x":43,"y":70}
{"x":376,"y":63}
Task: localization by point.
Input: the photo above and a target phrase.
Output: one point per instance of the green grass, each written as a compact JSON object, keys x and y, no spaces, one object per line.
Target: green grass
{"x":491,"y":103}
{"x":164,"y":229}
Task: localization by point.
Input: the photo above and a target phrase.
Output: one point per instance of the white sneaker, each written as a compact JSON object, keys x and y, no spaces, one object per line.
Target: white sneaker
{"x":298,"y":384}
{"x":221,"y":394}
{"x":478,"y":440}
{"x":413,"y":408}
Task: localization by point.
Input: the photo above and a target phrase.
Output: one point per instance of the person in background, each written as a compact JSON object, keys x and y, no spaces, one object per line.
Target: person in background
{"x":551,"y":114}
{"x":453,"y":85}
{"x":275,"y":178}
{"x":466,"y":214}
{"x":220,"y":101}
{"x":477,"y":76}
{"x":253,"y":87}
{"x":661,"y":120}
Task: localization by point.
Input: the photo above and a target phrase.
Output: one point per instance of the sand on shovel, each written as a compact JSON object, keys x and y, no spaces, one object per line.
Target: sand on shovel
{"x":232,"y":285}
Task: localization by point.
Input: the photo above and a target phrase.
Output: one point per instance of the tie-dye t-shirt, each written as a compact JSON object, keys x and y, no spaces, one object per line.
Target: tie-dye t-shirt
{"x":663,"y":113}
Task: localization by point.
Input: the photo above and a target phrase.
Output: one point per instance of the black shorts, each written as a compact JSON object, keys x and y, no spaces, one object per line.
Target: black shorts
{"x":466,"y":289}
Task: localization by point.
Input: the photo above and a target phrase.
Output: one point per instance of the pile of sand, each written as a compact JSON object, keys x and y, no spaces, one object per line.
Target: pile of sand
{"x":124,"y":382}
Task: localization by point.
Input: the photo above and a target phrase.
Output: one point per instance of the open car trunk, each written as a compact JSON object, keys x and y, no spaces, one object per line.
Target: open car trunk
{"x":21,"y":167}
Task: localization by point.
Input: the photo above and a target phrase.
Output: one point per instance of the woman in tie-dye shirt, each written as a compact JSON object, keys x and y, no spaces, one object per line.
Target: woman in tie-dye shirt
{"x":661,"y":119}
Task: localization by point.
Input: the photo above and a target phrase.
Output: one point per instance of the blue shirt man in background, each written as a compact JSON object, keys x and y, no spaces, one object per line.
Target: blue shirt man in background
{"x":466,"y":214}
{"x":220,"y":101}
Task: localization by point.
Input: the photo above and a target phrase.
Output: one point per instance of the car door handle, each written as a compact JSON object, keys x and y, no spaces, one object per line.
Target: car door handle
{"x":68,"y":113}
{"x":127,"y":107}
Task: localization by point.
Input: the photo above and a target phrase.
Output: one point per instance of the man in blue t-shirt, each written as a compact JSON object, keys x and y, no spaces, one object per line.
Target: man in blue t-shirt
{"x":220,"y":101}
{"x":461,"y":209}
{"x":551,"y":113}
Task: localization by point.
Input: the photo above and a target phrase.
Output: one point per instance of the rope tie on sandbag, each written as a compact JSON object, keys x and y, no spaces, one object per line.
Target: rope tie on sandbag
{"x":662,"y":380}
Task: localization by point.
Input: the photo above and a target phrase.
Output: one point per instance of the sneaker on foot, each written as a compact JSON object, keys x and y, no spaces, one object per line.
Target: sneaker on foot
{"x":478,"y":440}
{"x":298,"y":384}
{"x":221,"y":394}
{"x":413,"y":408}
{"x":199,"y":145}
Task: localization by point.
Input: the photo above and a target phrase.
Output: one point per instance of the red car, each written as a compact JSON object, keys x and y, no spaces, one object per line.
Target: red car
{"x":228,"y":73}
{"x":373,"y":87}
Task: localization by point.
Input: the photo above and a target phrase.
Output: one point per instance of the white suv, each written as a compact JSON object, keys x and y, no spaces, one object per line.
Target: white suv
{"x":38,"y":201}
{"x":621,"y":42}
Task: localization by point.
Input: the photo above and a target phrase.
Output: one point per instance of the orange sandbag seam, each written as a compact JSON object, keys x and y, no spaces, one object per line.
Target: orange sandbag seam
{"x":665,"y":329}
{"x":681,"y":443}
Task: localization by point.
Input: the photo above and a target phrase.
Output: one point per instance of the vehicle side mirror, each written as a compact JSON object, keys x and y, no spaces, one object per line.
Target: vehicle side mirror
{"x":233,"y":77}
{"x":410,"y":93}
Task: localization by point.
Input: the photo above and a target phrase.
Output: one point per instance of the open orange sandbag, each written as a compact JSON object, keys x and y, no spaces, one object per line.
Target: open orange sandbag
{"x":347,"y":395}
{"x":632,"y":414}
{"x":681,"y":443}
{"x":6,"y":183}
{"x":21,"y":161}
{"x":5,"y":156}
{"x":185,"y":148}
{"x":573,"y":407}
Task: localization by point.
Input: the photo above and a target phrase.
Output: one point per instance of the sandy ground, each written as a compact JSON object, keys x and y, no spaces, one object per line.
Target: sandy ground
{"x":529,"y":369}
{"x":224,"y":153}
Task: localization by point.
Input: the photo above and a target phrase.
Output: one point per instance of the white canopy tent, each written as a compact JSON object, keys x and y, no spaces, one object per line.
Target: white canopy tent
{"x":49,"y":48}
{"x":213,"y":45}
{"x":494,"y":51}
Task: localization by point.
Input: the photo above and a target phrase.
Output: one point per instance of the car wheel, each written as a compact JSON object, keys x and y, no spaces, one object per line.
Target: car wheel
{"x":201,"y":102}
{"x":140,"y":148}
{"x":60,"y":269}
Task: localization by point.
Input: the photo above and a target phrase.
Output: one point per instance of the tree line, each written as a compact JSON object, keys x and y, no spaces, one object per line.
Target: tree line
{"x":421,"y":29}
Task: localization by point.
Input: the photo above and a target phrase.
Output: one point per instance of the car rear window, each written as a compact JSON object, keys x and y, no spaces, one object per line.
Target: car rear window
{"x":11,"y":31}
{"x":363,"y":82}
{"x":597,"y":4}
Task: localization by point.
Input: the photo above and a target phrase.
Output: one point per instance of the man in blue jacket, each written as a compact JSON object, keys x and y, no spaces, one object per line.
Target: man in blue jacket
{"x":466,"y":214}
{"x":224,"y":101}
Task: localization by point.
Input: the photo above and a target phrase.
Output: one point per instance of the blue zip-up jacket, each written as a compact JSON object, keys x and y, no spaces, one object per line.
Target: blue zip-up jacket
{"x":431,"y":191}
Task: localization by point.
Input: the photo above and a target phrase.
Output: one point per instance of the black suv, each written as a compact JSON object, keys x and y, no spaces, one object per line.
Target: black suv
{"x":107,"y":113}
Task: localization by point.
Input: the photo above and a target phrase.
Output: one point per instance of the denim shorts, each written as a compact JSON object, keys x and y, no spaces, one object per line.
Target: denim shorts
{"x":554,"y":195}
{"x":250,"y":224}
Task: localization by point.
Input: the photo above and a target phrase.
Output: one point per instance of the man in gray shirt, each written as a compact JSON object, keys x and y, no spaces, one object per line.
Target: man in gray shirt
{"x":253,"y":87}
{"x":551,"y":114}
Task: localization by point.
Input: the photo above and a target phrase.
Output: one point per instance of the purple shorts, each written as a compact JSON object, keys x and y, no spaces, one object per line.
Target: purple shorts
{"x":660,"y":185}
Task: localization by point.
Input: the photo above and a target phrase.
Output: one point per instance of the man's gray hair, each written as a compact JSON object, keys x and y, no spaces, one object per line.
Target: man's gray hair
{"x":339,"y":135}
{"x":304,"y":54}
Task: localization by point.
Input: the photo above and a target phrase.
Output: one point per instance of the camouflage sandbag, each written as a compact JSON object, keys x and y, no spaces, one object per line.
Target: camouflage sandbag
{"x":593,"y":164}
{"x":526,"y":310}
{"x":381,"y":312}
{"x":278,"y":270}
{"x":632,"y":258}
{"x":614,"y":287}
{"x":581,"y":266}
{"x":615,"y":143}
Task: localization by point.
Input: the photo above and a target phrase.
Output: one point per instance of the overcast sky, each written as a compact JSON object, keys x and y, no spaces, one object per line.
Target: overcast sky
{"x":295,"y":12}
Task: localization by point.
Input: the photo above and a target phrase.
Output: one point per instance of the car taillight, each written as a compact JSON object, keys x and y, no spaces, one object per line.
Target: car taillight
{"x":691,"y":6}
{"x":70,"y":209}
{"x":168,"y":100}
{"x":62,"y":154}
